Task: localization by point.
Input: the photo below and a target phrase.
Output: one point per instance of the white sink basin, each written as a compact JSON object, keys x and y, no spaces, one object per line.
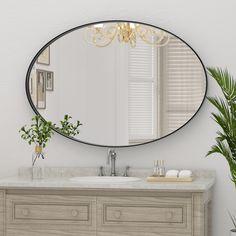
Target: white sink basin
{"x":103,"y":179}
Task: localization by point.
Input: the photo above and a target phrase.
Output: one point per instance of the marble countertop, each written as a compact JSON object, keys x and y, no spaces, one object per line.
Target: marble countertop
{"x":59,"y":179}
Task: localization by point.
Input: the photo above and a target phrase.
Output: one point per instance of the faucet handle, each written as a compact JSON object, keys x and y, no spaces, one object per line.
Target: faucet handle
{"x":101,"y":171}
{"x":126,"y":171}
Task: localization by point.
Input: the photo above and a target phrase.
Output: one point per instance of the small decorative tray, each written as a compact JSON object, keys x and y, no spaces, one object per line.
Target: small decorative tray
{"x":169,"y":179}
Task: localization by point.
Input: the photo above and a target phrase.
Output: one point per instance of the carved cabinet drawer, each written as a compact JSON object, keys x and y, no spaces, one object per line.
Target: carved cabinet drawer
{"x":50,"y":212}
{"x":144,"y":214}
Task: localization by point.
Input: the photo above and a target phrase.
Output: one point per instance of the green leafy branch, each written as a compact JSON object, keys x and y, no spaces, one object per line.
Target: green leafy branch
{"x":39,"y":133}
{"x":225,"y":118}
{"x":68,"y":128}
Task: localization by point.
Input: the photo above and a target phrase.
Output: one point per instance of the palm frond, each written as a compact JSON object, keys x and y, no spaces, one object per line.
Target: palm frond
{"x":226,"y":82}
{"x":223,"y":149}
{"x":233,"y":219}
{"x":221,"y":106}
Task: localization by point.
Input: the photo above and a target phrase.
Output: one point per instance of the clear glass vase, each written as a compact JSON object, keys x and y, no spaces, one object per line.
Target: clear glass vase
{"x":38,"y":163}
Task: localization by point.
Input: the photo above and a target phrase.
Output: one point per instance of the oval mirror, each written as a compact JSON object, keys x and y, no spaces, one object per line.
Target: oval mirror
{"x":128,"y":83}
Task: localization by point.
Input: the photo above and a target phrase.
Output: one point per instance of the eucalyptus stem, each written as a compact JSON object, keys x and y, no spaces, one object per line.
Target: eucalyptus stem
{"x":34,"y":160}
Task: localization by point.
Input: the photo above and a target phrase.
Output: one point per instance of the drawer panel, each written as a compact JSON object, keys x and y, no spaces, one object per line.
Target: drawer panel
{"x":50,"y":212}
{"x":144,"y":214}
{"x":136,"y":213}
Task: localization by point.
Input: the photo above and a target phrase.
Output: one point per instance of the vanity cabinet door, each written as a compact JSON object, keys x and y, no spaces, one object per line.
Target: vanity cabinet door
{"x":144,"y":214}
{"x":50,"y":215}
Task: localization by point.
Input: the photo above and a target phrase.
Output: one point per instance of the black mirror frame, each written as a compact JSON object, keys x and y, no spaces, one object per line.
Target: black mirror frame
{"x":99,"y":22}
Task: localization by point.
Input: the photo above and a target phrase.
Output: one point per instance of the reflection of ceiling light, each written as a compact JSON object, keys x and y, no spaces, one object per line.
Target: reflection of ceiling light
{"x":101,"y":35}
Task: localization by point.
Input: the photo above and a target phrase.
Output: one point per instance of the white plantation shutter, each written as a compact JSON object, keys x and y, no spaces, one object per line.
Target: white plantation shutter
{"x":142,"y":91}
{"x":183,"y":85}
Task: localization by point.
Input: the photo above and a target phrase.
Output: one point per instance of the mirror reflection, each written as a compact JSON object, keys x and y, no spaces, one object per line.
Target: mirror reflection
{"x":127,"y":83}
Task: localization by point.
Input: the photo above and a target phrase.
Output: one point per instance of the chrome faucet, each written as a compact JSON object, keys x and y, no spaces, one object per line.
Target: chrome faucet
{"x":111,"y":157}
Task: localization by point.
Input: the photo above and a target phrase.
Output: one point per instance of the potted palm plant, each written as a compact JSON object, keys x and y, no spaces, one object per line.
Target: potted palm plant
{"x":226,"y":119}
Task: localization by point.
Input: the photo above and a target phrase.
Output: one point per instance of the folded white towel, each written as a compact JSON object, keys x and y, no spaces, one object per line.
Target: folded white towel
{"x":185,"y":173}
{"x":172,"y":173}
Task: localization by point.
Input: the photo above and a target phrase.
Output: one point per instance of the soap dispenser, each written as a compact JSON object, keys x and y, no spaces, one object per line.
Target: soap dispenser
{"x":156,"y":168}
{"x":162,"y":170}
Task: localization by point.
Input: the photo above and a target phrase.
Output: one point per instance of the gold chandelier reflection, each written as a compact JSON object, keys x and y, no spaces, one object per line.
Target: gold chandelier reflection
{"x":101,"y":35}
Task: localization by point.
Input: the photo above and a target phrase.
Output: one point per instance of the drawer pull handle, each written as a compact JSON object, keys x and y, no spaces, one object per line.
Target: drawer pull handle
{"x":117,"y":214}
{"x":25,"y":212}
{"x":169,"y":215}
{"x":74,"y":213}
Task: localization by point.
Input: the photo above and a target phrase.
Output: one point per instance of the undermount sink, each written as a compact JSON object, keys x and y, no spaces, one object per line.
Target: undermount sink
{"x":104,"y":179}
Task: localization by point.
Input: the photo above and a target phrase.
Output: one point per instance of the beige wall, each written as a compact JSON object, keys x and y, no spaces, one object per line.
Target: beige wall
{"x":26,"y":25}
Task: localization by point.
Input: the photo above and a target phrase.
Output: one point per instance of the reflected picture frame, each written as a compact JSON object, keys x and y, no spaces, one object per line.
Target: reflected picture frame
{"x":44,"y":57}
{"x":41,"y":89}
{"x":49,"y":80}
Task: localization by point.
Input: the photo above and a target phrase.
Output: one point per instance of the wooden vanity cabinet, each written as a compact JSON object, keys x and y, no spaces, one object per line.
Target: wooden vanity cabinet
{"x":103,"y":213}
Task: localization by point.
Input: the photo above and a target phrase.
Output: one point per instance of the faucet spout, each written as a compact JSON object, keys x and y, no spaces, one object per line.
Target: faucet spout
{"x":112,"y":157}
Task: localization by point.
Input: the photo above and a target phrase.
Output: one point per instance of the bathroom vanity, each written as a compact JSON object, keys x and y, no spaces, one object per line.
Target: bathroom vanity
{"x":57,"y":206}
